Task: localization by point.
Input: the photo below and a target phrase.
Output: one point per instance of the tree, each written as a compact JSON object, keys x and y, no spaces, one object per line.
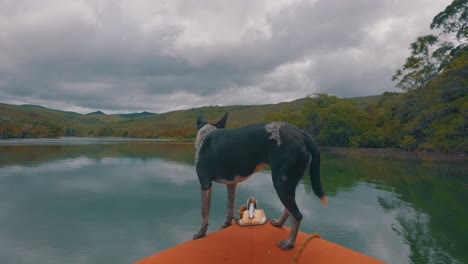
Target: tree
{"x":382,"y":127}
{"x":453,"y":20}
{"x":421,"y":66}
{"x":333,"y":121}
{"x":435,"y":116}
{"x":430,"y":54}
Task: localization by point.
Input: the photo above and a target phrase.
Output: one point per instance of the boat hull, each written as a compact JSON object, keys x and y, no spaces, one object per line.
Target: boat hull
{"x":255,"y":244}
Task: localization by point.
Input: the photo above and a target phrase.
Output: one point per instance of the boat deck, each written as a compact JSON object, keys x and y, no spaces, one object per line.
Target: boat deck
{"x":255,"y":244}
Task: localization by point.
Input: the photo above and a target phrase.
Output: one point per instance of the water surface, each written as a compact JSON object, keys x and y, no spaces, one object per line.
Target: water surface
{"x":116,"y":201}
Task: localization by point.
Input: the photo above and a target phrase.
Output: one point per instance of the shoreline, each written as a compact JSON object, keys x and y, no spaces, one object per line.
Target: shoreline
{"x":375,"y":152}
{"x":398,"y":153}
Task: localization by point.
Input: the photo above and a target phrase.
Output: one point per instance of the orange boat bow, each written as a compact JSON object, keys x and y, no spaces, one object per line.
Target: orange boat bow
{"x":255,"y":244}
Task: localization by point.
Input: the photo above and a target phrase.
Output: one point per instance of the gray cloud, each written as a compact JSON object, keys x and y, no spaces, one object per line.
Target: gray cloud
{"x":124,"y":56}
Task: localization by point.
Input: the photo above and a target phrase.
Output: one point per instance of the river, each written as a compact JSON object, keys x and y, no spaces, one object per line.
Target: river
{"x":85,"y":200}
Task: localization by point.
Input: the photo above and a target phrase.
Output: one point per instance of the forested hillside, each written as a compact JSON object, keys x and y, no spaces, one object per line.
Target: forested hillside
{"x":431,"y":117}
{"x":29,"y":121}
{"x":432,"y":112}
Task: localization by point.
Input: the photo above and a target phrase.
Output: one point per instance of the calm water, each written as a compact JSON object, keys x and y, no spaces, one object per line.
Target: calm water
{"x":92,"y":201}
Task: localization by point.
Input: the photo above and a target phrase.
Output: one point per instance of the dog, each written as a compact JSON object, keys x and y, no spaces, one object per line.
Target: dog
{"x":230,"y":156}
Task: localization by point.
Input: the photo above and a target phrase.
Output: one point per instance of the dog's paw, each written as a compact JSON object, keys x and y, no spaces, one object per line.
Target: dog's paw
{"x":226,"y":224}
{"x":276,"y":223}
{"x":200,"y":234}
{"x":286,"y":244}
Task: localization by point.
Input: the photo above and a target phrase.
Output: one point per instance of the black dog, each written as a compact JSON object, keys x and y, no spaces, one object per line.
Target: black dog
{"x":230,"y":156}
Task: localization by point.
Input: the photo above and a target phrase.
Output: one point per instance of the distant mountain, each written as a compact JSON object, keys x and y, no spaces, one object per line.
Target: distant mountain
{"x":142,"y":114}
{"x":96,"y":113}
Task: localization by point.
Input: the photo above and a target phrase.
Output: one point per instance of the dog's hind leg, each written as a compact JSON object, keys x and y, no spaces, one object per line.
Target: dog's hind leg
{"x":206,"y":202}
{"x":231,"y":203}
{"x":288,"y":243}
{"x":280,"y":222}
{"x":296,"y":217}
{"x":285,"y":187}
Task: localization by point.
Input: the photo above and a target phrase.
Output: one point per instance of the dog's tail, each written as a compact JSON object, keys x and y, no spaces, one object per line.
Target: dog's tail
{"x":314,"y":170}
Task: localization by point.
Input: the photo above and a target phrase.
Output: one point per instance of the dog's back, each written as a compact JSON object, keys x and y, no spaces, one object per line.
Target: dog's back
{"x":234,"y":152}
{"x":238,"y":151}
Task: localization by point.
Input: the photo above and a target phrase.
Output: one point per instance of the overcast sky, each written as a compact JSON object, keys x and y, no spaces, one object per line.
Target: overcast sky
{"x":121,"y":56}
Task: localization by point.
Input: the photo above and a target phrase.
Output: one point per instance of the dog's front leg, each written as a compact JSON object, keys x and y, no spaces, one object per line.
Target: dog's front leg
{"x":205,"y":212}
{"x":231,"y":203}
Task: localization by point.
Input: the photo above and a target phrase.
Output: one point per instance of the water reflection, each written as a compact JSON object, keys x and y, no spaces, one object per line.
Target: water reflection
{"x":414,"y":227}
{"x":427,"y":200}
{"x":31,"y":154}
{"x":105,"y":210}
{"x":117,"y":202}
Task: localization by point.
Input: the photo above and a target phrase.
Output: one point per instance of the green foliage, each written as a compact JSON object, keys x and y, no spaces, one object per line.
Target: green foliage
{"x":430,"y":55}
{"x":434,"y":116}
{"x":421,"y":66}
{"x":453,"y":19}
{"x":433,"y":113}
{"x":333,"y":121}
{"x":408,"y":143}
{"x":431,"y":117}
{"x":37,"y":122}
{"x":286,"y":114}
{"x":382,"y":127}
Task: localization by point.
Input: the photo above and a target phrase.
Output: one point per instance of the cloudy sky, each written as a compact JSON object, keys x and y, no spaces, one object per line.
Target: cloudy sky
{"x":123,"y":56}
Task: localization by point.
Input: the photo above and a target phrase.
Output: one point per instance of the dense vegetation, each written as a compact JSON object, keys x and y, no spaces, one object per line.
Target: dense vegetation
{"x":431,"y":114}
{"x":431,"y":117}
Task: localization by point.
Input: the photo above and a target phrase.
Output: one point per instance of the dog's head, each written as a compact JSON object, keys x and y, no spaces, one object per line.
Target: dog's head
{"x":204,"y":128}
{"x":201,"y":122}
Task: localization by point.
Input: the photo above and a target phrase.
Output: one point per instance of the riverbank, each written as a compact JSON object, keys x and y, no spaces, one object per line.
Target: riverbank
{"x":376,"y":152}
{"x":398,"y":153}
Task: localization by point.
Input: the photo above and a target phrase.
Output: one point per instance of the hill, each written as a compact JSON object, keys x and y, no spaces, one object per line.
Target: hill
{"x":137,"y":114}
{"x":96,"y":113}
{"x":23,"y":121}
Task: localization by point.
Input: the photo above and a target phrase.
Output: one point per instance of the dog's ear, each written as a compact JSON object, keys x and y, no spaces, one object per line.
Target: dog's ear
{"x":200,"y":122}
{"x":222,"y":122}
